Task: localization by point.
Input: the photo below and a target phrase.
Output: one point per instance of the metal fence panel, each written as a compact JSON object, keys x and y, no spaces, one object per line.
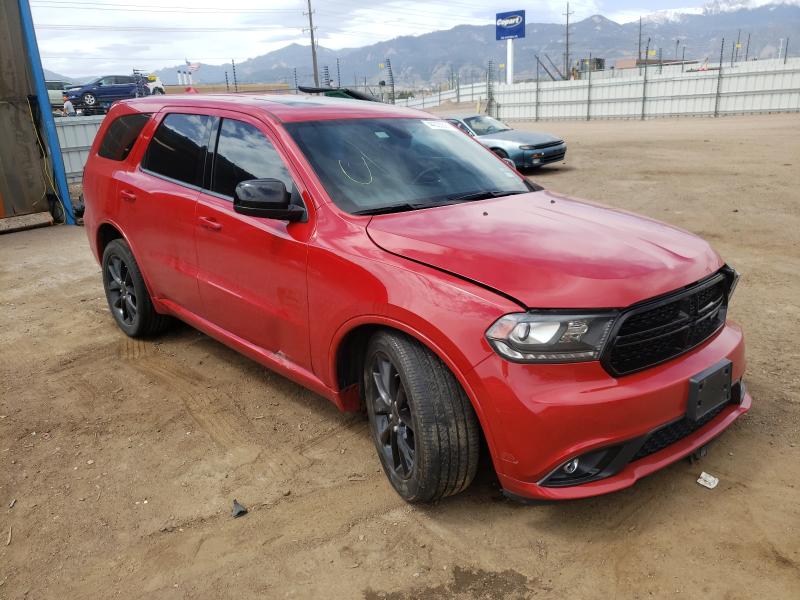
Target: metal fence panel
{"x":745,"y":87}
{"x":76,"y":135}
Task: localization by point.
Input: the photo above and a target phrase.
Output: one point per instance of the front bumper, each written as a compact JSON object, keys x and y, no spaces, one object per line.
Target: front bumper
{"x":540,"y":416}
{"x":537,"y":158}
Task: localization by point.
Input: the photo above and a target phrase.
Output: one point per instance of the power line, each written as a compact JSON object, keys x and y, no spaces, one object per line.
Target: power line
{"x":86,"y":5}
{"x":152,"y":28}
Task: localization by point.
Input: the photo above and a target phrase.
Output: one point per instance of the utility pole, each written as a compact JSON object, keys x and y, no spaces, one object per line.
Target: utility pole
{"x":391,"y":80}
{"x":747,"y":49}
{"x":639,"y":51}
{"x":677,"y":43}
{"x":736,"y":47}
{"x":311,"y":29}
{"x":644,"y":79}
{"x":294,"y":75}
{"x":338,"y":74}
{"x":566,"y":53}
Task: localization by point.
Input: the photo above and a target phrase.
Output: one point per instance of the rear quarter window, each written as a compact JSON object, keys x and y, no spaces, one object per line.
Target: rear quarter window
{"x":121,"y":136}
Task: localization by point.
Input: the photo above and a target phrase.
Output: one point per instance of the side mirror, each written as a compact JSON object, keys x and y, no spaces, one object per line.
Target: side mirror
{"x":510,"y":163}
{"x":99,"y":84}
{"x":266,"y":198}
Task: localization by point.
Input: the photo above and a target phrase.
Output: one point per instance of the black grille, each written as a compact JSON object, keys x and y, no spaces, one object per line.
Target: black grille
{"x":673,"y":432}
{"x":553,"y":157}
{"x":548,"y":144}
{"x":662,"y":329}
{"x":677,"y":430}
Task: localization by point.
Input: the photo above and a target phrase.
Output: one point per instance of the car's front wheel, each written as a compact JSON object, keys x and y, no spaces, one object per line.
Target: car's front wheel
{"x":89,"y":99}
{"x":422,"y":423}
{"x":127,"y":294}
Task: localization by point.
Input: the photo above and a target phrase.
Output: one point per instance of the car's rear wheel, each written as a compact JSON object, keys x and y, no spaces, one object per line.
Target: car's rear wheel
{"x":422,"y":422}
{"x":89,"y":99}
{"x":127,"y":294}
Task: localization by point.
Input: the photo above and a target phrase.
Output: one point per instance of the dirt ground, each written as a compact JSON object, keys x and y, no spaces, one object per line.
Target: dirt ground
{"x":120,"y":458}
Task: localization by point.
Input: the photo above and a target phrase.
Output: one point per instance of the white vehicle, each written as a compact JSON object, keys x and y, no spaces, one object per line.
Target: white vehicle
{"x":55,"y":91}
{"x":154,"y":84}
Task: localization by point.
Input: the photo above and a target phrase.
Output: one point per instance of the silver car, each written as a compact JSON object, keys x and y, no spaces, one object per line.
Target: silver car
{"x":528,"y":149}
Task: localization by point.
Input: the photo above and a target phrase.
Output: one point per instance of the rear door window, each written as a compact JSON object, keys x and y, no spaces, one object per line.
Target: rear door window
{"x":121,"y":135}
{"x":244,"y":152}
{"x":178,"y":148}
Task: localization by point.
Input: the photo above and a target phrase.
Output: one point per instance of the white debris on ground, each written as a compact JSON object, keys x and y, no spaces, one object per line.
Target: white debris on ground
{"x":708,"y":480}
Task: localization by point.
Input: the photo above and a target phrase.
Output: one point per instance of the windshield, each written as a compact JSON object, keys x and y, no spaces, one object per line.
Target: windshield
{"x":381,"y":165}
{"x":484,"y":125}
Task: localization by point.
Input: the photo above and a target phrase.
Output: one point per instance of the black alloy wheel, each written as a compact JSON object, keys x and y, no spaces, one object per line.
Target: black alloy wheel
{"x":422,"y":423}
{"x":392,"y":416}
{"x":126,"y":292}
{"x":121,"y":291}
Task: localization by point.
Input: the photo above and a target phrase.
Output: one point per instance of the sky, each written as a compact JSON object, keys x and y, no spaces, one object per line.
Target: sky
{"x":95,"y":37}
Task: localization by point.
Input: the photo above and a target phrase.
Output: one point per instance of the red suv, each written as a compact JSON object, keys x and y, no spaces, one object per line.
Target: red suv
{"x":386,"y":261}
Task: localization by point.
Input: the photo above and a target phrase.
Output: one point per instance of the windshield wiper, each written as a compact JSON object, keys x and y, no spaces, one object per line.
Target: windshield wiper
{"x":391,"y":208}
{"x":482,"y":195}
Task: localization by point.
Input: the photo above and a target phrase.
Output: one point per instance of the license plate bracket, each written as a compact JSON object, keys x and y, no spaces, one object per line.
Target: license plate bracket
{"x":709,"y":389}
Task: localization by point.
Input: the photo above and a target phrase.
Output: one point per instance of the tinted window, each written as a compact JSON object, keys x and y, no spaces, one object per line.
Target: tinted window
{"x":123,"y":79}
{"x":243,"y":153}
{"x":54,"y":85}
{"x":106,"y":81}
{"x":121,"y":136}
{"x":178,"y":148}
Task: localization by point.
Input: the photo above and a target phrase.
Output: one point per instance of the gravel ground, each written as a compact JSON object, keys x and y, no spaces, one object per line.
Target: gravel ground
{"x":120,"y":458}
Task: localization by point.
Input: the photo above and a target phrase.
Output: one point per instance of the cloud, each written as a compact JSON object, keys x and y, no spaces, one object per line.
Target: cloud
{"x":108,"y":36}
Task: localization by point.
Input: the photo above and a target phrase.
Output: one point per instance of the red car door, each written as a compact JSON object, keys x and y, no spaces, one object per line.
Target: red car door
{"x":157,"y":203}
{"x":251,"y":270}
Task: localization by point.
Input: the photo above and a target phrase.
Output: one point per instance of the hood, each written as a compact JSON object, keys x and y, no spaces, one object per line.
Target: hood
{"x":549,"y":251}
{"x":520,"y":137}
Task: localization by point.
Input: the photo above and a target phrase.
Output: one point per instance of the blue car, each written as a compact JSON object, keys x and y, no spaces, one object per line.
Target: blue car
{"x":101,"y":92}
{"x":528,"y":149}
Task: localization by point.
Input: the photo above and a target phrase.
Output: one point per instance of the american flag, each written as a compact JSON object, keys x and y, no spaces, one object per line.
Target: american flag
{"x":192,"y":66}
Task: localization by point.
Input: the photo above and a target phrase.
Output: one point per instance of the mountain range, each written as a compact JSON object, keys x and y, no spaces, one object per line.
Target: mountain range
{"x":431,"y":58}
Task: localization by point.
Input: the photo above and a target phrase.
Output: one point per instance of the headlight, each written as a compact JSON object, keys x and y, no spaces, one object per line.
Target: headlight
{"x":527,"y":147}
{"x":549,"y":337}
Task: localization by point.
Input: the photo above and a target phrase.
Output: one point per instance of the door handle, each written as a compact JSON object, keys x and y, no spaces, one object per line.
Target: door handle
{"x":127,"y":196}
{"x":210,"y":224}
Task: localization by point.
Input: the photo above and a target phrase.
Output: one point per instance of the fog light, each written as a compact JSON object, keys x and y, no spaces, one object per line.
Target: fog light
{"x":571,"y":466}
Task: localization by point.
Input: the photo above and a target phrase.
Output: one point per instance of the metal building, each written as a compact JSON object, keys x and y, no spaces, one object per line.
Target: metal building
{"x":22,"y":179}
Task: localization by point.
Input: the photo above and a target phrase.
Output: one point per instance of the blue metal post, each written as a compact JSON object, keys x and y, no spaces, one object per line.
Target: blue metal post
{"x":48,"y":121}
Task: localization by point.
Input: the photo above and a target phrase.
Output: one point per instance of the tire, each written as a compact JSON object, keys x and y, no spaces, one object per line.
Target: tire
{"x":158,"y":91}
{"x":126,"y":293}
{"x":427,"y":436}
{"x":89,"y":100}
